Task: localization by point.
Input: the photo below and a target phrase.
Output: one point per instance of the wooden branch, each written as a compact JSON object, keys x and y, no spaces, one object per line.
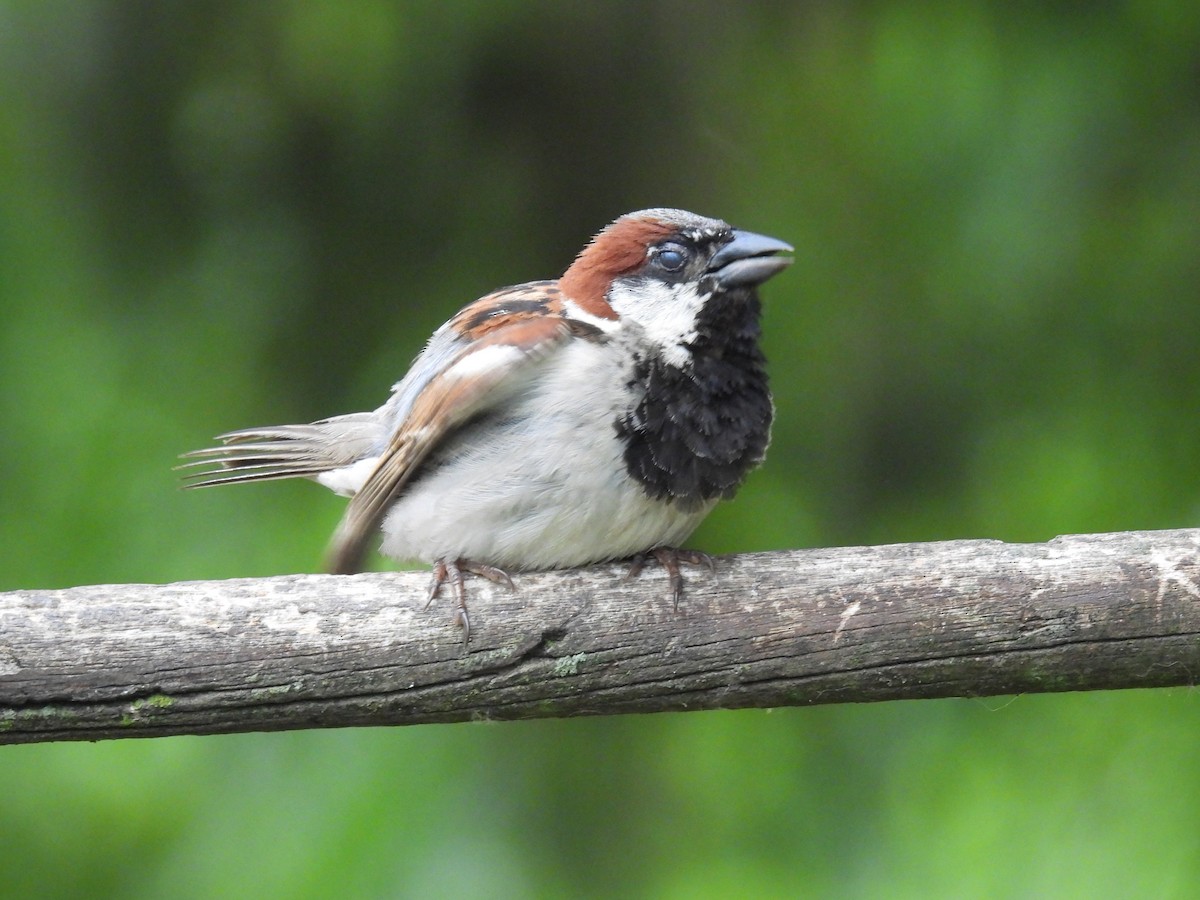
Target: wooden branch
{"x":960,"y":618}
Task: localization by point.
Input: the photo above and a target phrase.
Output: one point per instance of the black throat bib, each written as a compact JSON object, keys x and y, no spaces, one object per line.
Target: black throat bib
{"x":699,"y":429}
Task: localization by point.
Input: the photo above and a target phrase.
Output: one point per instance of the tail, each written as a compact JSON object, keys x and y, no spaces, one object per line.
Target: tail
{"x":284,"y":451}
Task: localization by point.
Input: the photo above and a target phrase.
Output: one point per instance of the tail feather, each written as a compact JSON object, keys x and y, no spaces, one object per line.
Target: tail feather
{"x":283,"y":451}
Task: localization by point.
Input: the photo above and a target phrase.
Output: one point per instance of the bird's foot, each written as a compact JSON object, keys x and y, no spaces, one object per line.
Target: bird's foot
{"x":670,"y":558}
{"x":452,"y":570}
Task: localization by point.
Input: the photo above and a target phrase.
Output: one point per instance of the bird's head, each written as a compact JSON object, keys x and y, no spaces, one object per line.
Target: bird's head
{"x":668,"y":269}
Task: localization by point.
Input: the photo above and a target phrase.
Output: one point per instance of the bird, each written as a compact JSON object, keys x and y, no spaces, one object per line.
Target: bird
{"x":553,"y":424}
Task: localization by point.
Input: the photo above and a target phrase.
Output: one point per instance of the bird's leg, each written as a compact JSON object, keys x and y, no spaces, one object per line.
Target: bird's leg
{"x":452,"y":570}
{"x":670,"y":558}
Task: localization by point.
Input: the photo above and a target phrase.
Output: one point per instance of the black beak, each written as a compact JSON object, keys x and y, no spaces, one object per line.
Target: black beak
{"x":748,"y":259}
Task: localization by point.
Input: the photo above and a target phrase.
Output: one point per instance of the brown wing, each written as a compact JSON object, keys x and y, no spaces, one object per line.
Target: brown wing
{"x":484,"y":373}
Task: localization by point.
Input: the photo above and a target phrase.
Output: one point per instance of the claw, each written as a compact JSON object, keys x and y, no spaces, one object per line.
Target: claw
{"x":462,"y":618}
{"x":451,"y":570}
{"x":441,"y":572}
{"x":670,"y":558}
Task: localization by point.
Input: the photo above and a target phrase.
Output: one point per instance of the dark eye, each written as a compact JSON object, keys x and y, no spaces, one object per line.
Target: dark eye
{"x":672,"y":257}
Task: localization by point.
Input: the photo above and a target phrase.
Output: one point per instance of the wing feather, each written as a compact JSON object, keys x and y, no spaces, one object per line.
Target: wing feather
{"x":486,"y":372}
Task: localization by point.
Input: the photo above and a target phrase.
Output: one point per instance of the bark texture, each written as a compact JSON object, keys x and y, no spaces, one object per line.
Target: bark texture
{"x":957,"y":618}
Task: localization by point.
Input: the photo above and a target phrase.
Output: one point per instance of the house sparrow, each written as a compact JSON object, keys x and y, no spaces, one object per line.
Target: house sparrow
{"x":555,"y":423}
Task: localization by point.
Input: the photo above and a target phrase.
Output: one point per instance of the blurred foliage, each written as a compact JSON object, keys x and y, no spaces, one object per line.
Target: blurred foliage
{"x":217,"y":214}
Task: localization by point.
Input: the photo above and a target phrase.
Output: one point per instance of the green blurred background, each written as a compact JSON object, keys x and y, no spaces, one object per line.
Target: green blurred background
{"x":220,"y":214}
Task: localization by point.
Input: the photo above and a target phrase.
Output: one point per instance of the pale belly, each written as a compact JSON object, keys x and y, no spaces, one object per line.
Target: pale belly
{"x":543,"y":487}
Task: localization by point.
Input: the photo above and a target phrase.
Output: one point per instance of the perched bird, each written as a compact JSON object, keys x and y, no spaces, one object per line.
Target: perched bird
{"x":555,"y":423}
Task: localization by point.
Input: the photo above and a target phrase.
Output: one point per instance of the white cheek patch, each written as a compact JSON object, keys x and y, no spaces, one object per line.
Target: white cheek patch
{"x":666,"y":312}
